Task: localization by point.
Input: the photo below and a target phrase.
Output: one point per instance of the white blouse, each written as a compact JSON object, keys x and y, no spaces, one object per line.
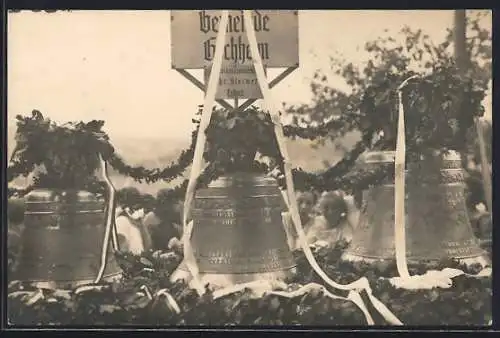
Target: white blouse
{"x":132,"y":234}
{"x":321,"y":231}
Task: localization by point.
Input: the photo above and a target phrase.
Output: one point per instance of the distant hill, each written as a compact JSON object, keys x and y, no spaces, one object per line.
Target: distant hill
{"x":160,"y":152}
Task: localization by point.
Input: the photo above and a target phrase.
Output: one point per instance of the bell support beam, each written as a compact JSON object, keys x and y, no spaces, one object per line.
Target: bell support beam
{"x":197,"y":165}
{"x":353,"y":287}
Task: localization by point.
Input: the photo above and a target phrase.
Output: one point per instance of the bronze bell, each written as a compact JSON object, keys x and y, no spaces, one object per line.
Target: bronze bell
{"x":437,"y":221}
{"x":238,"y":233}
{"x":63,"y":238}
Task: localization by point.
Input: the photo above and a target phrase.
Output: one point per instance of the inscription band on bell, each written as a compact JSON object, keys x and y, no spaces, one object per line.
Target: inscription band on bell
{"x":63,"y":213}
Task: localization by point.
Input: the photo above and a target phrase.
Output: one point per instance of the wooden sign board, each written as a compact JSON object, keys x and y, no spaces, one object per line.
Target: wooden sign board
{"x":236,"y":81}
{"x":193,"y":35}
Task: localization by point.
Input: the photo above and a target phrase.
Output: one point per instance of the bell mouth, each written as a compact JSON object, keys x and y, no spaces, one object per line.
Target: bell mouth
{"x":240,"y":269}
{"x":44,"y":195}
{"x":219,"y":281}
{"x":223,"y":280}
{"x":264,"y":271}
{"x":71,"y":284}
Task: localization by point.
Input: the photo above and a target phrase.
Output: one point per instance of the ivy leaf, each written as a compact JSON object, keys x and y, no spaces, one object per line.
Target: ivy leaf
{"x":124,"y":305}
{"x":135,"y":301}
{"x":36,"y":114}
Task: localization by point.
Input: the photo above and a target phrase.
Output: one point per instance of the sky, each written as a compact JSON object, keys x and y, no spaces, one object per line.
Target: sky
{"x":116,"y":65}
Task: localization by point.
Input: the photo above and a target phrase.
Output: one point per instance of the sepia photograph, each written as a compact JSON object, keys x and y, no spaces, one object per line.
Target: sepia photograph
{"x":249,"y":169}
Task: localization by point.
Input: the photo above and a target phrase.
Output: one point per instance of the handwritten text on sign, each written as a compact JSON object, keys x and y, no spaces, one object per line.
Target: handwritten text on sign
{"x":236,"y":81}
{"x":194,"y":34}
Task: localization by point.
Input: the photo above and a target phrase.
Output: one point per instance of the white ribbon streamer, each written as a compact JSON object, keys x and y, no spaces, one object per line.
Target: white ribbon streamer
{"x":110,"y":229}
{"x":260,"y":288}
{"x":36,"y":297}
{"x":362,"y":283}
{"x":399,"y":188}
{"x":196,"y":167}
{"x":432,"y":278}
{"x":435,"y":279}
{"x":171,"y":303}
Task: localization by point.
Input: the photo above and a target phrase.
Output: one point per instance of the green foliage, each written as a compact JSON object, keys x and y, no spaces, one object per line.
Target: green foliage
{"x":60,"y":156}
{"x":233,"y":140}
{"x":65,"y":157}
{"x":167,"y":174}
{"x":467,"y":302}
{"x":129,"y":197}
{"x":148,"y":202}
{"x":410,"y":50}
{"x":439,"y":110}
{"x":235,"y":137}
{"x":439,"y":107}
{"x":167,"y":208}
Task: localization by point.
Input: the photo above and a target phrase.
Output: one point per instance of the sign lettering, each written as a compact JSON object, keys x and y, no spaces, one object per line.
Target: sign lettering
{"x":236,"y":81}
{"x":193,"y":36}
{"x":235,"y":50}
{"x":235,"y":22}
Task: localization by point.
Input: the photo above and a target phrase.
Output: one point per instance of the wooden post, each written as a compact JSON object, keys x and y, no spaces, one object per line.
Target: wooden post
{"x":460,"y":40}
{"x":485,"y":166}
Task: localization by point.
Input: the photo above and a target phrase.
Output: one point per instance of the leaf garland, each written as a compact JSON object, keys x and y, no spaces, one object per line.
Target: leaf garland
{"x":167,"y":174}
{"x":141,"y":298}
{"x":235,"y":137}
{"x":60,"y":156}
{"x":65,"y":156}
{"x":230,"y":135}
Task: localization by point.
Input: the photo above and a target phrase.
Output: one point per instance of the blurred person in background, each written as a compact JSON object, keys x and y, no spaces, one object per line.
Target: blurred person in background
{"x":305,"y":201}
{"x":337,"y":219}
{"x":148,"y":202}
{"x":133,"y":236}
{"x":163,"y":221}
